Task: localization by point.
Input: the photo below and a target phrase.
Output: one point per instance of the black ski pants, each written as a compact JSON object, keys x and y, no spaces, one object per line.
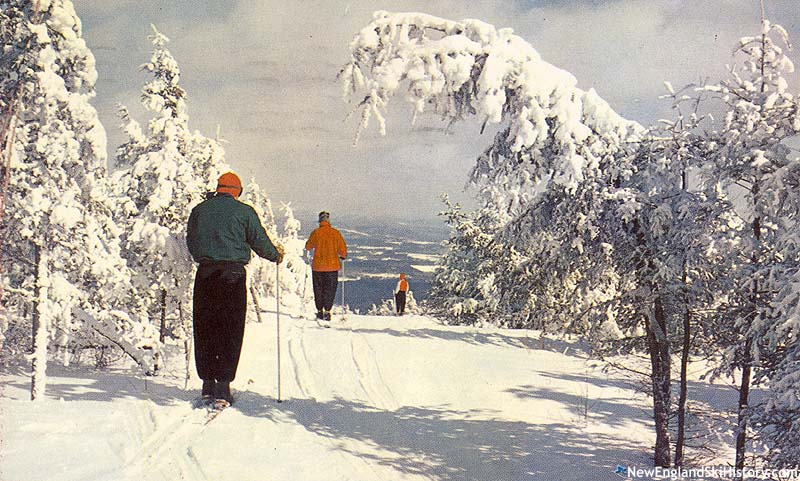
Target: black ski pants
{"x":400,"y":301}
{"x":220,"y":306}
{"x":325,"y":284}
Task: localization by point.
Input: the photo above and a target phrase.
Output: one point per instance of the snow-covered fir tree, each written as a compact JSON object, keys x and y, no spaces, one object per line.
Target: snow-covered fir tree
{"x":165,"y":170}
{"x":296,"y":290}
{"x":558,"y":205}
{"x":670,"y":244}
{"x":60,"y":244}
{"x":260,"y":272}
{"x":463,"y":289}
{"x":295,"y":278}
{"x":748,"y":156}
{"x":779,"y":417}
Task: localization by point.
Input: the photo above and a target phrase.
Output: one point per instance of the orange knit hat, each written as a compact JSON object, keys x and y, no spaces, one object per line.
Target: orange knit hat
{"x":229,"y":183}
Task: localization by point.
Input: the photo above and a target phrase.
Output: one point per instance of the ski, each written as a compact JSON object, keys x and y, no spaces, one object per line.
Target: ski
{"x":215,"y":409}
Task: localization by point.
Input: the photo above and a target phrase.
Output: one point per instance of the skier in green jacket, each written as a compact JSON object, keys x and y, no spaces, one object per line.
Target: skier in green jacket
{"x":220,"y":235}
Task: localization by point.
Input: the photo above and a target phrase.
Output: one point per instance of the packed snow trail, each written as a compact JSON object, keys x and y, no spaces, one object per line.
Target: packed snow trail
{"x":373,"y":398}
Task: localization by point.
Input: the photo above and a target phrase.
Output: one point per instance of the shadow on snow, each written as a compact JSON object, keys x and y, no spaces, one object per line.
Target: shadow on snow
{"x":439,"y":443}
{"x":433,"y":442}
{"x":478,"y":337}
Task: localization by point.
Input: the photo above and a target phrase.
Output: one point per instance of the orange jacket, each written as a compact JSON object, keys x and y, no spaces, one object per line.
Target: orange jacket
{"x":328,"y":246}
{"x":402,"y":284}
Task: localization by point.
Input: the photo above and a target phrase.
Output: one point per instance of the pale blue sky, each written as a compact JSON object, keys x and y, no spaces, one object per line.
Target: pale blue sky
{"x":265,"y":73}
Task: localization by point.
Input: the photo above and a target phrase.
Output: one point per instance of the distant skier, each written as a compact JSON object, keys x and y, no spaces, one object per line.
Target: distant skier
{"x":400,"y":295}
{"x":329,"y":250}
{"x":220,"y":234}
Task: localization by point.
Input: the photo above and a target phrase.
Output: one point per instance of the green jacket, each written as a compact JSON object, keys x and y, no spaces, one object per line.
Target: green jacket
{"x":223,"y":229}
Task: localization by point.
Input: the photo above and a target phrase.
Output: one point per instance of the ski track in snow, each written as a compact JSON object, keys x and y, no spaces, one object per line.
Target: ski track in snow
{"x":193,"y":467}
{"x":369,"y":374}
{"x":303,"y":375}
{"x":305,"y":383}
{"x":167,"y":449}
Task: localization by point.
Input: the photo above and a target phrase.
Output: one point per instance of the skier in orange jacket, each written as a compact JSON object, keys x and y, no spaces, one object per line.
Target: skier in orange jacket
{"x":400,"y":295}
{"x":329,"y":250}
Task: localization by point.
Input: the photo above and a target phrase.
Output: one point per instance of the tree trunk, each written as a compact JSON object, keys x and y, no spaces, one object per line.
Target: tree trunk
{"x":187,"y":344}
{"x":40,"y":326}
{"x":687,"y":344}
{"x":747,"y":364}
{"x":743,"y":414}
{"x":163,"y":334}
{"x":187,"y":352}
{"x":660,"y":361}
{"x":684,"y":395}
{"x":257,"y":307}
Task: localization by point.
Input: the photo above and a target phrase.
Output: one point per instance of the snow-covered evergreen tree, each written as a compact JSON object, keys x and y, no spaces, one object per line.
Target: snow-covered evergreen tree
{"x":779,"y":417}
{"x":748,"y":155}
{"x":296,"y":287}
{"x":464,"y":288}
{"x":295,"y":276}
{"x":60,"y":245}
{"x":166,"y":170}
{"x":260,"y":272}
{"x":671,"y":245}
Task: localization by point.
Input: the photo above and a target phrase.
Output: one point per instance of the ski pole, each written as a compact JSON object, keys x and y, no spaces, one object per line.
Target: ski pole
{"x":305,"y":278}
{"x":343,"y":284}
{"x":278,"y":323}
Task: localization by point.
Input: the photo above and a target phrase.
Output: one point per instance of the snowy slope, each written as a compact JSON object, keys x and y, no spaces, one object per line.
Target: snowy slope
{"x":372,"y":398}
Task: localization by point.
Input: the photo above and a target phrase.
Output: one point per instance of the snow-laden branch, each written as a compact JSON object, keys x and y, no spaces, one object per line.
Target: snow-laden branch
{"x":469,"y":67}
{"x":142,"y":357}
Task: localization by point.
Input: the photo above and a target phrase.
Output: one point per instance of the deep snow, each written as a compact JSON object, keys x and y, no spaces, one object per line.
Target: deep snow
{"x":372,"y":398}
